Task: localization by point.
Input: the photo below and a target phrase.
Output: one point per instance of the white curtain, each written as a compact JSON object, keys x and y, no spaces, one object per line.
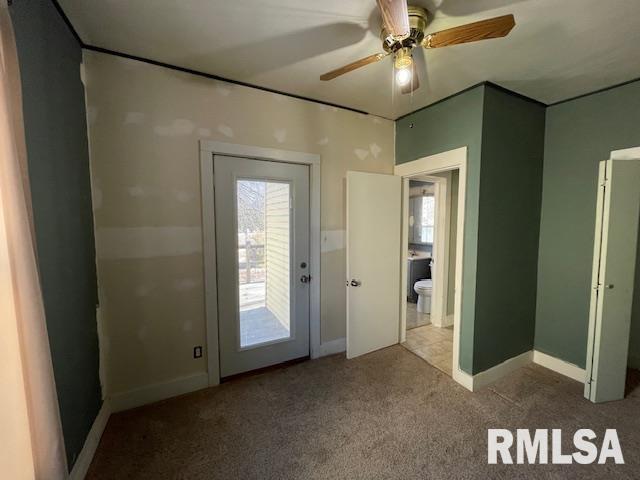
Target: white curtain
{"x":31,"y":443}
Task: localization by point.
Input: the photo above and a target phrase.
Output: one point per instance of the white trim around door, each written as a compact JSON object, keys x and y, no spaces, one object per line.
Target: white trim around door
{"x":442,"y":162}
{"x":207,"y":151}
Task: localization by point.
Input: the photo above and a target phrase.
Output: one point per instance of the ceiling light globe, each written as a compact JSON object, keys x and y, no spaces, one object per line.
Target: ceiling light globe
{"x":403,"y":76}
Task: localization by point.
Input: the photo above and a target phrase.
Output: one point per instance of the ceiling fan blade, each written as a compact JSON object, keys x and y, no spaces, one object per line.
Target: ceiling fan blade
{"x":492,"y":28}
{"x":414,"y":84}
{"x":395,"y":17}
{"x":352,"y":66}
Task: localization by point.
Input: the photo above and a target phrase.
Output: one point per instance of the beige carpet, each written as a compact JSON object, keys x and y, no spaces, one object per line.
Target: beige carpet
{"x":387,"y":415}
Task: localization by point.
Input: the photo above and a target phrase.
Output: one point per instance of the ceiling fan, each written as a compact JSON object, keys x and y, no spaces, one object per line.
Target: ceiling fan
{"x":404,"y":29}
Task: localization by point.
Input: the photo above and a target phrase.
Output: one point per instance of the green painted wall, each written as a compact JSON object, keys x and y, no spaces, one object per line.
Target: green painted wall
{"x":510,"y":191}
{"x":56,"y":135}
{"x":505,"y":135}
{"x":579,"y":134}
{"x":453,"y":123}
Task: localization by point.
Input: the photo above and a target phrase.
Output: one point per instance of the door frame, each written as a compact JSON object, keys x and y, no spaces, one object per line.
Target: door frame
{"x":455,"y":159}
{"x":208,"y":149}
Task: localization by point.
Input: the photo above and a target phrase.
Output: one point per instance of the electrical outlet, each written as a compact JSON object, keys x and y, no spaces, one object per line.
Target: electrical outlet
{"x":197,"y":352}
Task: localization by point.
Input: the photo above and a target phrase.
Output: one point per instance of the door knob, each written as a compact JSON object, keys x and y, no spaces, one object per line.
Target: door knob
{"x":355,"y":283}
{"x":305,"y":278}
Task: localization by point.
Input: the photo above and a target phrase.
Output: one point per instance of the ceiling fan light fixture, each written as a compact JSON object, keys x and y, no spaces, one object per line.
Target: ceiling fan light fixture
{"x":403,"y":76}
{"x":403,"y":64}
{"x":403,"y":59}
{"x":404,"y":29}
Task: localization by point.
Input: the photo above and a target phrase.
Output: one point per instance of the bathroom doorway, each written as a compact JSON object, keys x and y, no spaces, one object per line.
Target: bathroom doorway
{"x":420,"y":252}
{"x":448,"y":170}
{"x":377,"y":291}
{"x":431,"y":211}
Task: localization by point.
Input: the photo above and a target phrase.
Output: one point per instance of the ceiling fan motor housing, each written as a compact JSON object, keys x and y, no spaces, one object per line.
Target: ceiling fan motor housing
{"x":412,"y":22}
{"x":418,"y":18}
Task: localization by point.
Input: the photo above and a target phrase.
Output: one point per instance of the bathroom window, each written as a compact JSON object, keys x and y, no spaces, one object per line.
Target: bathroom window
{"x":427,"y":220}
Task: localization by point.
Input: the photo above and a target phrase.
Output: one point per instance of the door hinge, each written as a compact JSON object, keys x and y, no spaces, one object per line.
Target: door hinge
{"x":605,"y":182}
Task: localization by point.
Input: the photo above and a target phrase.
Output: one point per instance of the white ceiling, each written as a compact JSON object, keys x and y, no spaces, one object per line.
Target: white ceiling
{"x":558,"y":49}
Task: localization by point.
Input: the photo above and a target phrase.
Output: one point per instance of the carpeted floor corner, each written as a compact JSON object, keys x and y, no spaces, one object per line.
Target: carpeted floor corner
{"x":386,"y":415}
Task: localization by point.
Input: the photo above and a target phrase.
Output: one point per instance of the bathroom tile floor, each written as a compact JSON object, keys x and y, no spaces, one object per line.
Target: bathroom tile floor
{"x":432,"y":344}
{"x":415,"y":319}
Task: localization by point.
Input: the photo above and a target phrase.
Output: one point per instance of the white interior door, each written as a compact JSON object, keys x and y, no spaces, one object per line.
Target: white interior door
{"x":262,"y":242}
{"x":618,"y":208}
{"x":373,"y":261}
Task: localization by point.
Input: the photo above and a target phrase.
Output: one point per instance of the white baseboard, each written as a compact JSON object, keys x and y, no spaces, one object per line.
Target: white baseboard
{"x":488,"y":377}
{"x":448,"y":320}
{"x":159,"y":391}
{"x":124,"y":401}
{"x":81,"y":467}
{"x":464,"y":379}
{"x":332,"y":347}
{"x":560,"y":366}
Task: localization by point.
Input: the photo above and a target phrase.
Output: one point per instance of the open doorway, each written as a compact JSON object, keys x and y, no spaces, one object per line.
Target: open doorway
{"x":377,"y":240}
{"x":447,"y":172}
{"x":430,"y":255}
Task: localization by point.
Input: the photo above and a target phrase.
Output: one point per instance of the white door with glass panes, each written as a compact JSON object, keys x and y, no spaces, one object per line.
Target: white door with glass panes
{"x":262,"y":246}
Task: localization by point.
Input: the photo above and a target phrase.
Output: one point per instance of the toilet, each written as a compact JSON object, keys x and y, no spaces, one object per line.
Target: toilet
{"x":423,"y":289}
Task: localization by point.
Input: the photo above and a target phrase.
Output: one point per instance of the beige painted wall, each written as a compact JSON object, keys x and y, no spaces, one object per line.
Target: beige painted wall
{"x":144,"y":126}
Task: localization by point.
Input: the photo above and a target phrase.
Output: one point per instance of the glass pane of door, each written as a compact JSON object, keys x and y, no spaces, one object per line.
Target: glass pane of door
{"x":264,"y":280}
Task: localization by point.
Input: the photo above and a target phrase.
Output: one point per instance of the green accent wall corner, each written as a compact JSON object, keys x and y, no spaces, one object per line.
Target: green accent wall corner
{"x":579,"y":134}
{"x":510,"y":194}
{"x":453,"y":123}
{"x":504,"y":134}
